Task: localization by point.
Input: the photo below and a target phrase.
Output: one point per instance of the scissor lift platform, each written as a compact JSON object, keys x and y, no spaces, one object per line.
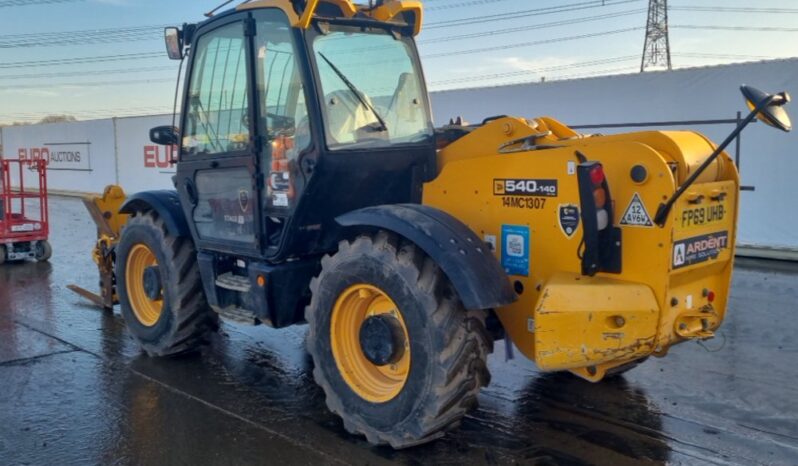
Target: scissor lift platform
{"x":24,"y":220}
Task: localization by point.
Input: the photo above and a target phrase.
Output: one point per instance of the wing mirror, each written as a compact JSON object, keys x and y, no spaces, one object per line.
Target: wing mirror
{"x":164,"y":135}
{"x":772,"y":114}
{"x":174,"y":43}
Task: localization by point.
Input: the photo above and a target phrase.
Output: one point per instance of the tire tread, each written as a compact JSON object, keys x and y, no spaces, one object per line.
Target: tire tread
{"x":460,"y":368}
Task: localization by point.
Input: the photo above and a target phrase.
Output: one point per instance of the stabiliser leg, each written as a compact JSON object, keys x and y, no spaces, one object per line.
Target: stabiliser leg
{"x":104,"y":211}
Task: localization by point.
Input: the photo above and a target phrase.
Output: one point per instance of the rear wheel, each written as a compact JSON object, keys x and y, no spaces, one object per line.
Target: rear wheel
{"x":399,"y":358}
{"x":3,"y":254}
{"x":43,"y":251}
{"x":160,"y":290}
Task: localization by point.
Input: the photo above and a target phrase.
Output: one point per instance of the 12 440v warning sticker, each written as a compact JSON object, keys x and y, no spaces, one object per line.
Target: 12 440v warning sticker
{"x":636,"y":214}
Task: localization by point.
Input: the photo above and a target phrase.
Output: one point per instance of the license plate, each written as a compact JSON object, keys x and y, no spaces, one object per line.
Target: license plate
{"x":704,"y":215}
{"x":22,"y":228}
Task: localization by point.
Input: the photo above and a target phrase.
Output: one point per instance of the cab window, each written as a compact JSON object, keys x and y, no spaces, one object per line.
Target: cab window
{"x":218,"y":101}
{"x":372,"y":90}
{"x":283,"y":108}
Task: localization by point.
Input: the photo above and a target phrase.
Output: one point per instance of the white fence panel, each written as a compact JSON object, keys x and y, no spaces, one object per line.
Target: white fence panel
{"x":80,"y":155}
{"x":768,"y":217}
{"x":142,"y":164}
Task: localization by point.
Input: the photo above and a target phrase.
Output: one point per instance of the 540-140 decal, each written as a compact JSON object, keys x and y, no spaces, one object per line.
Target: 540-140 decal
{"x":525,"y":193}
{"x":525,"y":187}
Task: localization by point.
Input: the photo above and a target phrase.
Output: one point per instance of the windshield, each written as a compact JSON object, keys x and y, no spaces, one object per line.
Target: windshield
{"x":372,"y":94}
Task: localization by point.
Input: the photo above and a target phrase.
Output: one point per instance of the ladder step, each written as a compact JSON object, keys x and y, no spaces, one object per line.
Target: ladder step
{"x":229,"y":281}
{"x":236,"y":314}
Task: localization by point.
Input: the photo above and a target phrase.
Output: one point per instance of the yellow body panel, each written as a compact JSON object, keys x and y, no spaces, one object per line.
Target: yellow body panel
{"x":607,"y":320}
{"x":551,"y":322}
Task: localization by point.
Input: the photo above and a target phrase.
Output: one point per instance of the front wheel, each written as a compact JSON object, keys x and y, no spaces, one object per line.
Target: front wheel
{"x":160,"y":289}
{"x":399,"y":358}
{"x":43,"y":251}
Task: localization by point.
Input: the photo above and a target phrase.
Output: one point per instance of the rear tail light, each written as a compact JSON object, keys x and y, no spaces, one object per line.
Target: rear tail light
{"x":597,"y":175}
{"x":600,"y":250}
{"x":600,"y":196}
{"x":603,"y":219}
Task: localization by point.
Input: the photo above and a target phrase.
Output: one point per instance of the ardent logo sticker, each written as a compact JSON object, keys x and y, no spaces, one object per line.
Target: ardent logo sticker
{"x":699,"y":249}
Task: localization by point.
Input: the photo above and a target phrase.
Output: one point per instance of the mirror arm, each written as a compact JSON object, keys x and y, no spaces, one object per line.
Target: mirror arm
{"x":664,"y":209}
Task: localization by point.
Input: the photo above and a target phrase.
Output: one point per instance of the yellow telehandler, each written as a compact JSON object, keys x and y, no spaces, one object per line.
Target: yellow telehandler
{"x":312,"y":187}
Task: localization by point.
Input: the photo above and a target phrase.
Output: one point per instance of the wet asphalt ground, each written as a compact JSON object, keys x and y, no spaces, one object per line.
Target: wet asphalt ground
{"x":75,"y":389}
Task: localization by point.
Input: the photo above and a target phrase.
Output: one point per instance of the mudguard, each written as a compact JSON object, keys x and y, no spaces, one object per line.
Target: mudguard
{"x":477,"y":276}
{"x":165,"y":203}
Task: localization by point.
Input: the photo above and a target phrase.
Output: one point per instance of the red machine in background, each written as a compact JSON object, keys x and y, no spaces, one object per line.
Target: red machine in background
{"x":24,"y":220}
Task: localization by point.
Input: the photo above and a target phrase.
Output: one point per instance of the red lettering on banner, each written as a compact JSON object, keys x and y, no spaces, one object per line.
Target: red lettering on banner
{"x":35,"y":153}
{"x":149,"y":156}
{"x":154,"y":157}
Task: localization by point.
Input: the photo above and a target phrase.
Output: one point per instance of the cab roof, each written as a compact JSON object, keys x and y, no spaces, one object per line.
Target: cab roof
{"x":301,"y":13}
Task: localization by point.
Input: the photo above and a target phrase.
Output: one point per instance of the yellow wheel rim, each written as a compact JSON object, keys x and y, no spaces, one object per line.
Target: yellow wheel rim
{"x":147,"y":310}
{"x":377,"y":384}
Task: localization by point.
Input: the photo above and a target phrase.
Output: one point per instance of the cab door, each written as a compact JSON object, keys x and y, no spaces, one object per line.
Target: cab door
{"x":217,"y":174}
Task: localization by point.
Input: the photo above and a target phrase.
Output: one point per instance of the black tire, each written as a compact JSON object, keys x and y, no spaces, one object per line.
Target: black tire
{"x":186,"y":320}
{"x":43,"y":251}
{"x":449,"y":345}
{"x":3,"y":254}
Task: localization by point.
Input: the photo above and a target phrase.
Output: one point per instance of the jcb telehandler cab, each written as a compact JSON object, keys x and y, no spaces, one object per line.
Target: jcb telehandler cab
{"x":312,"y":187}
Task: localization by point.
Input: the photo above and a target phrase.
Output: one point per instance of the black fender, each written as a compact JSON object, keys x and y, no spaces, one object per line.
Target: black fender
{"x":477,"y":276}
{"x":165,"y":203}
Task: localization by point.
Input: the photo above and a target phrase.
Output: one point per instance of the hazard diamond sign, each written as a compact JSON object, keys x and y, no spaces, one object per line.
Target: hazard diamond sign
{"x":636,"y":214}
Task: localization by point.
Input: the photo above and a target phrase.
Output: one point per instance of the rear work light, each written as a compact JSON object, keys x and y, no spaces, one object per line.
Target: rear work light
{"x":600,"y":249}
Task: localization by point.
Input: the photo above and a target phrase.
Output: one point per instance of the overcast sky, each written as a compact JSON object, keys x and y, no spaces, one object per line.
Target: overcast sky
{"x":534,"y":42}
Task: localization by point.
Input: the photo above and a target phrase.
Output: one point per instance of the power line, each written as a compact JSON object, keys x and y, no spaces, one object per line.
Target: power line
{"x":87,"y":72}
{"x":89,"y":113}
{"x":94,"y":111}
{"x":510,"y":74}
{"x":526,"y":13}
{"x":723,"y":55}
{"x":531,"y":27}
{"x":726,"y":9}
{"x":13,"y":3}
{"x":77,"y":37}
{"x":90,"y":84}
{"x":736,"y":28}
{"x":81,"y":60}
{"x":527,"y":44}
{"x":82,"y":32}
{"x":460,"y":4}
{"x":603,"y":72}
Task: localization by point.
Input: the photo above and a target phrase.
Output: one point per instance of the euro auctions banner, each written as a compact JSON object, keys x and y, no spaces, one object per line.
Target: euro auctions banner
{"x":60,"y":155}
{"x":80,"y":156}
